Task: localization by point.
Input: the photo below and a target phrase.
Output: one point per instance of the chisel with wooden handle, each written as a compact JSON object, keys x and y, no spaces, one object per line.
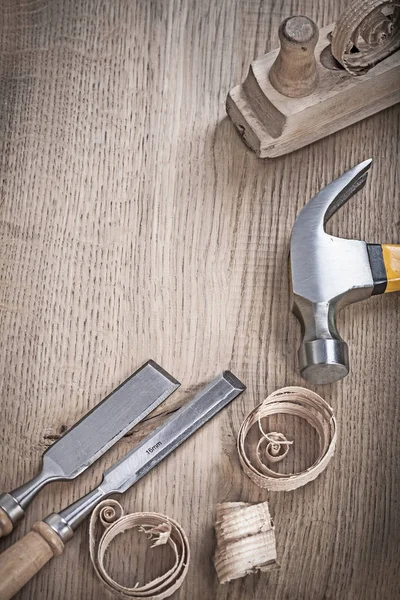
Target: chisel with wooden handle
{"x":20,"y":562}
{"x":93,"y":435}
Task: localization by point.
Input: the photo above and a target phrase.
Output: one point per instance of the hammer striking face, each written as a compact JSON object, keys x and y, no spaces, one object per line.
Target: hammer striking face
{"x":329,"y":272}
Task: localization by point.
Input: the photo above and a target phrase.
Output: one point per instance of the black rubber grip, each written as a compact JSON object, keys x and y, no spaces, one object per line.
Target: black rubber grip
{"x":378,"y":268}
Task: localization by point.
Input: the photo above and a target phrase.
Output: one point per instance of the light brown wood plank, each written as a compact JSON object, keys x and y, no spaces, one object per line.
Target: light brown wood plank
{"x":134,"y":224}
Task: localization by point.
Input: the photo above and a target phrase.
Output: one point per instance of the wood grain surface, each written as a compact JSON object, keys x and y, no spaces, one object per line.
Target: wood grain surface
{"x":135,"y":224}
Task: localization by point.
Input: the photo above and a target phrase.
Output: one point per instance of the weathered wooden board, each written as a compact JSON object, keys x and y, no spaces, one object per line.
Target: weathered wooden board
{"x":135,"y":224}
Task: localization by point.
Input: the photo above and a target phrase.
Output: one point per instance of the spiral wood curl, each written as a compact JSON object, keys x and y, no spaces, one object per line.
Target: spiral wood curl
{"x":159,"y":529}
{"x":366,"y":33}
{"x":299,"y":402}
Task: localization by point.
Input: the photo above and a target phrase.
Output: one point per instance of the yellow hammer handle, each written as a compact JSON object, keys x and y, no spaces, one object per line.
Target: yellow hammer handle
{"x":391,"y":258}
{"x":20,"y":562}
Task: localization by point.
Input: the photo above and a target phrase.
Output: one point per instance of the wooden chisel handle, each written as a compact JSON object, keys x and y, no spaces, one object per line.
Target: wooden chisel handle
{"x":20,"y":562}
{"x":6,"y":525}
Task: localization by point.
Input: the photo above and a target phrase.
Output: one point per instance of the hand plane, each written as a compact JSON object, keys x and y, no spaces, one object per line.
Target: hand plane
{"x":320,"y":81}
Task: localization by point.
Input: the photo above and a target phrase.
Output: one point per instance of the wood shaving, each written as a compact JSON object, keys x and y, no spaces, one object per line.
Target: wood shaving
{"x":245,"y":540}
{"x":159,"y":529}
{"x":295,"y":401}
{"x":367,"y":32}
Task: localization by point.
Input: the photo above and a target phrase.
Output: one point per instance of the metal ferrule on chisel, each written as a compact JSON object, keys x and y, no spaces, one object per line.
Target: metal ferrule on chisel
{"x":93,"y":435}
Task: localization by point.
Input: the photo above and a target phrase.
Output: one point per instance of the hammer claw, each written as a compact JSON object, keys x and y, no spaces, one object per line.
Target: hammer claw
{"x":346,"y":186}
{"x":317,"y":212}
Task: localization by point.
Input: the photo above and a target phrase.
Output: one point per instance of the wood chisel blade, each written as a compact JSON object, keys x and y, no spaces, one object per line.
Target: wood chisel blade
{"x":171,"y":434}
{"x":157,"y":446}
{"x":95,"y":433}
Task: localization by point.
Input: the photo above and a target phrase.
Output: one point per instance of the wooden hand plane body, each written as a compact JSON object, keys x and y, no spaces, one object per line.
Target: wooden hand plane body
{"x":296,"y":95}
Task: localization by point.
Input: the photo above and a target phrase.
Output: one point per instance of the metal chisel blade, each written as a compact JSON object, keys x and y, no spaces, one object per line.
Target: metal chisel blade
{"x":166,"y":438}
{"x":114,"y":416}
{"x":151,"y":451}
{"x":93,"y":435}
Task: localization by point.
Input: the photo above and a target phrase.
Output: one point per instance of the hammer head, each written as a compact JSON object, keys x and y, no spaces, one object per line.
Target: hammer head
{"x":327,"y":274}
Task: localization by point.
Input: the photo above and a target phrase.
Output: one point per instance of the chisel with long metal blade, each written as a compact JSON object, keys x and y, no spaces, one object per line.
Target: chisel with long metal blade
{"x":93,"y":435}
{"x":20,"y":562}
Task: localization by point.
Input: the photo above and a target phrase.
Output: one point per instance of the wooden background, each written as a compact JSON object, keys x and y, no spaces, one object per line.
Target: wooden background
{"x":134,"y":224}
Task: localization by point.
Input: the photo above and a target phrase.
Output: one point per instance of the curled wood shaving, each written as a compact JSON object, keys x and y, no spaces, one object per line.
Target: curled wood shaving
{"x":366,"y":33}
{"x":159,"y":529}
{"x":292,"y":401}
{"x":245,"y":540}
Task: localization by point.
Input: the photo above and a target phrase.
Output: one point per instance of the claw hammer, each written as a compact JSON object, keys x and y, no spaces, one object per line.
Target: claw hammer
{"x":329,"y":273}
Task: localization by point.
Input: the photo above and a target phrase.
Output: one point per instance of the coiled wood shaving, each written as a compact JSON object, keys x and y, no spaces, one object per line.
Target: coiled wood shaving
{"x":366,"y":33}
{"x":158,"y":528}
{"x":245,"y":540}
{"x":291,"y":401}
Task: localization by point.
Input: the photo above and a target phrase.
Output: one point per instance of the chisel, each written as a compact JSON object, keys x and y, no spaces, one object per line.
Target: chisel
{"x":93,"y":435}
{"x":20,"y":562}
